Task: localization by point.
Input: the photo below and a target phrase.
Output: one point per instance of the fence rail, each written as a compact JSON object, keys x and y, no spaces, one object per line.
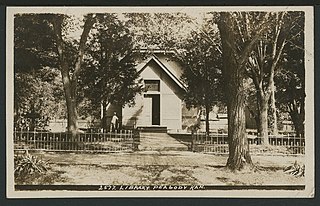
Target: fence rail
{"x":124,"y":140}
{"x":280,"y":144}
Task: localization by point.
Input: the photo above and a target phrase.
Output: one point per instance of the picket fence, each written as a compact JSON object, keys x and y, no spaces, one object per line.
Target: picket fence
{"x":123,"y":140}
{"x":128,"y":140}
{"x":216,"y":143}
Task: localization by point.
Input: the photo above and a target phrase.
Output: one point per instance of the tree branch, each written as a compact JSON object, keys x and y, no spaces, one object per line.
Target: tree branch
{"x":83,"y":39}
{"x":296,"y":46}
{"x":273,"y":67}
{"x":208,"y":36}
{"x":57,"y":22}
{"x":246,"y":51}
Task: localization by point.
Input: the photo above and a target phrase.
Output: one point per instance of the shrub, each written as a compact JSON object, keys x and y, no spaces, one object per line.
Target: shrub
{"x":26,"y":165}
{"x":295,"y":169}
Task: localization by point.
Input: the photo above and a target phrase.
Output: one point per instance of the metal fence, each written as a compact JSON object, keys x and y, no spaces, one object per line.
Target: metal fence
{"x":280,"y":144}
{"x":124,"y":140}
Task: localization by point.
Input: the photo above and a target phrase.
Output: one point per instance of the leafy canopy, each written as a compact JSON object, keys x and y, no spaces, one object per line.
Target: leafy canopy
{"x":110,"y":75}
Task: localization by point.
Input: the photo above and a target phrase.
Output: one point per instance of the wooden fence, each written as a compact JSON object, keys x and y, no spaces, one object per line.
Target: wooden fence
{"x":124,"y":140}
{"x":218,"y":143}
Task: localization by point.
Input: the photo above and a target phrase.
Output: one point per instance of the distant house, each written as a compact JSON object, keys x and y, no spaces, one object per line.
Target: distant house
{"x":161,"y":104}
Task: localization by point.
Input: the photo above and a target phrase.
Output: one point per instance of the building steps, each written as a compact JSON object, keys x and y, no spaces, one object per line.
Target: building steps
{"x":152,"y":129}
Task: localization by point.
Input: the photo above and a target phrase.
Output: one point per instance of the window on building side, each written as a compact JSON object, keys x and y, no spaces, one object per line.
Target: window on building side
{"x":152,"y":85}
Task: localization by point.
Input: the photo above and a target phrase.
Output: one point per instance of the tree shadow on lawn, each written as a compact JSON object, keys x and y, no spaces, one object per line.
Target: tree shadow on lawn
{"x":265,"y":176}
{"x":47,"y":178}
{"x":160,"y":174}
{"x":228,"y":181}
{"x":166,"y":174}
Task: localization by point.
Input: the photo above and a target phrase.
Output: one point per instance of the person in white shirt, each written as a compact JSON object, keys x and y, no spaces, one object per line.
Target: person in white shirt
{"x":114,"y":122}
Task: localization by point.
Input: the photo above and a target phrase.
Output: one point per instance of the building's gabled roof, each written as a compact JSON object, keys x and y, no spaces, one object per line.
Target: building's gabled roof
{"x":165,"y":67}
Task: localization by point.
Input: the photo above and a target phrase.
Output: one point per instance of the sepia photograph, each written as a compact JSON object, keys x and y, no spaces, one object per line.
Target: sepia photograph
{"x":160,"y":102}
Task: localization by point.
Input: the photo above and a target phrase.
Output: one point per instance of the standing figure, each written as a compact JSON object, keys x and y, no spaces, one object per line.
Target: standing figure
{"x":114,"y":122}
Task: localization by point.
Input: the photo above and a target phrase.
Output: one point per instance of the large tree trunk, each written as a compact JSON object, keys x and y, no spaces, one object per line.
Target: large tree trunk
{"x":258,"y":120}
{"x":274,"y":110}
{"x":207,"y":120}
{"x":69,"y":91}
{"x":239,"y":155}
{"x":234,"y":78}
{"x":299,"y":125}
{"x":297,"y":114}
{"x":72,"y":113}
{"x":104,"y":117}
{"x":263,"y":122}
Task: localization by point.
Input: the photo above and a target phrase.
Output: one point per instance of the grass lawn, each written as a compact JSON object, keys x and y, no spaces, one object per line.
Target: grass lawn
{"x":154,"y":168}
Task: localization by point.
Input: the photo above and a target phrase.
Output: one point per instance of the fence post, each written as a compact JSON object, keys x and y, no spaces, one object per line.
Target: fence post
{"x":301,"y":148}
{"x":35,"y":139}
{"x":52,"y":143}
{"x":27,"y":137}
{"x":104,"y":141}
{"x":58,"y":144}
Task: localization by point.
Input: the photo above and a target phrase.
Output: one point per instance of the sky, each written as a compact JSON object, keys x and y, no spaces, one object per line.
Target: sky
{"x":196,"y":12}
{"x":78,"y":15}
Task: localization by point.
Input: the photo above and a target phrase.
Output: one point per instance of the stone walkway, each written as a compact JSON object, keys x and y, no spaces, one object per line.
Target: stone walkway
{"x":160,"y":142}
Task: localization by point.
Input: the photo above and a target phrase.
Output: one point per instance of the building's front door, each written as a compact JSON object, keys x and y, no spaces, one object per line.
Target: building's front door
{"x":156,"y":109}
{"x":152,"y":109}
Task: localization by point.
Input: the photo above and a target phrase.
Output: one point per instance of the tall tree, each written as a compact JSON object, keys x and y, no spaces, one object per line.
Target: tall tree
{"x":110,"y":76}
{"x":70,"y":72}
{"x":290,"y":80}
{"x":265,"y":58}
{"x":202,"y":65}
{"x":235,"y":55}
{"x":44,"y":38}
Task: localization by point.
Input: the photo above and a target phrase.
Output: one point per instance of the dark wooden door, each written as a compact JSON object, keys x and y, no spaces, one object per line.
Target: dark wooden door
{"x":155,"y":109}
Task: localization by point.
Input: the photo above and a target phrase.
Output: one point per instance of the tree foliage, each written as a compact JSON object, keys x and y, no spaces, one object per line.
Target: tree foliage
{"x":38,"y":88}
{"x":45,"y":40}
{"x":41,"y":41}
{"x":110,"y":76}
{"x":267,"y":56}
{"x":290,"y":79}
{"x":34,"y":47}
{"x":202,"y":64}
{"x":159,"y":30}
{"x":38,"y":98}
{"x":253,"y":45}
